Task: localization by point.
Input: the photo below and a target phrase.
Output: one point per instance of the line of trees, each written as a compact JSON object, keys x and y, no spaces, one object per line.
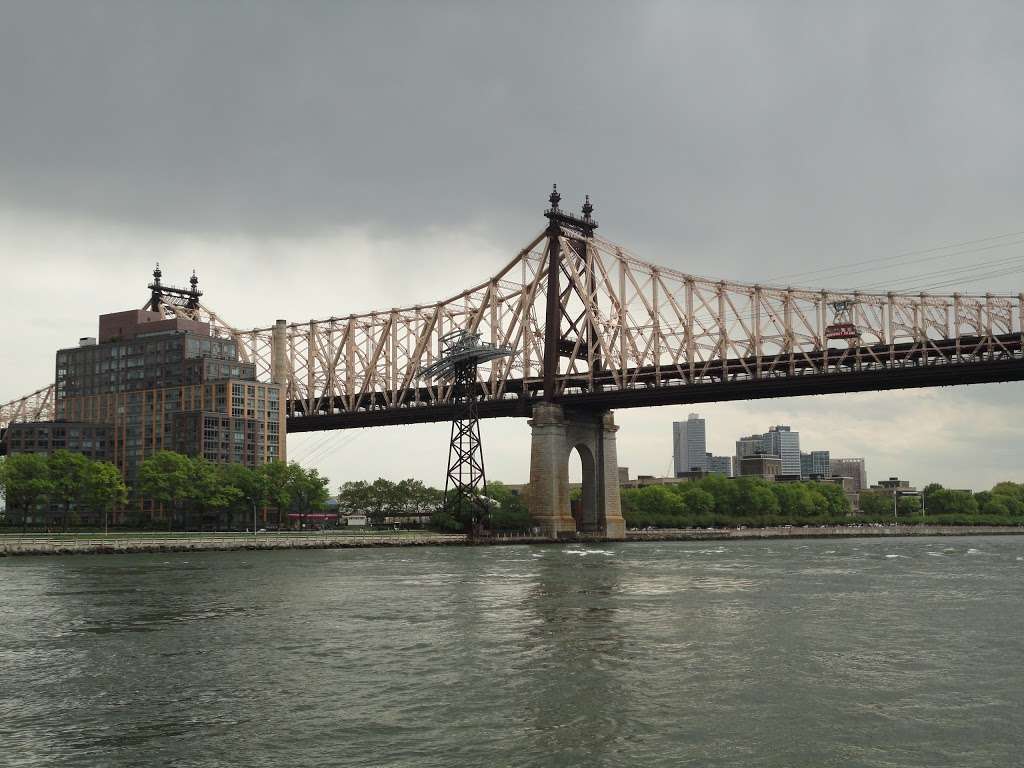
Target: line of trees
{"x":720,"y":501}
{"x":1002,"y":505}
{"x":196,"y":492}
{"x":191,"y":491}
{"x":64,"y":483}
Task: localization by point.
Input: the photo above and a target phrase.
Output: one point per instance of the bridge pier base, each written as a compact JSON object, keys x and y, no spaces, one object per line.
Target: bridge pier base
{"x":555,"y":435}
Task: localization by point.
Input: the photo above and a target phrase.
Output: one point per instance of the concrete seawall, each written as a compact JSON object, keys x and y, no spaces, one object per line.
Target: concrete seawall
{"x":72,"y":544}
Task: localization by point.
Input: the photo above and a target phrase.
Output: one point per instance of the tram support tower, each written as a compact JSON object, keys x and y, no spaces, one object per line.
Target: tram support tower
{"x":465,"y":489}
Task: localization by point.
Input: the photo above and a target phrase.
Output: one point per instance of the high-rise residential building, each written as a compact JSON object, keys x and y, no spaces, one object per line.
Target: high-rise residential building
{"x":815,"y":464}
{"x":720,"y":465}
{"x":689,"y":445}
{"x":853,"y":468}
{"x":784,"y":443}
{"x":168,"y":384}
{"x":91,"y":440}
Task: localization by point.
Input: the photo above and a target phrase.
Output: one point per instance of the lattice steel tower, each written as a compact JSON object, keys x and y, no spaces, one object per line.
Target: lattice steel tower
{"x":466,"y":485}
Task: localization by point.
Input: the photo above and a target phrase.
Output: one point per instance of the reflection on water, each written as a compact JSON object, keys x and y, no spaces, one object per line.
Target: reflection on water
{"x":865,"y":653}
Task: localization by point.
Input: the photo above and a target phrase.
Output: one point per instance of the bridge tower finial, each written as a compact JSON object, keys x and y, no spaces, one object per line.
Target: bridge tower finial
{"x":157,"y":294}
{"x":588,"y":209}
{"x":554,"y":198}
{"x":193,"y":293}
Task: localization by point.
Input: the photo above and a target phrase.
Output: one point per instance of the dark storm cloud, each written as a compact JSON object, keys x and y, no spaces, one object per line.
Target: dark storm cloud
{"x":329,"y":157}
{"x":786,"y":131}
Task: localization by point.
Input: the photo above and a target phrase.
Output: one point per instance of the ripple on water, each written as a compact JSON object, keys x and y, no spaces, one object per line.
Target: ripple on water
{"x":661,"y":655}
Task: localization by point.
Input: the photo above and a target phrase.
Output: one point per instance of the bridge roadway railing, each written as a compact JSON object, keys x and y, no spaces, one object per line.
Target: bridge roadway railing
{"x":966,"y":360}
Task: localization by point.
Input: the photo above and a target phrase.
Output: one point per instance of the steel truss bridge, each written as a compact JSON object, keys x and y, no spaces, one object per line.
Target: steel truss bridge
{"x":593,"y":326}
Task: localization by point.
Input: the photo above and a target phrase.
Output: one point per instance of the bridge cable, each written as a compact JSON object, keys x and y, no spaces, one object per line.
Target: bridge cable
{"x":948,"y":273}
{"x":935,"y":250}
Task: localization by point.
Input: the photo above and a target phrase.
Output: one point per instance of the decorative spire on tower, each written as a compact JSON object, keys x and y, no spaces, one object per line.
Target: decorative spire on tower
{"x":193,"y":293}
{"x":560,"y":220}
{"x":554,"y":198}
{"x":157,"y":294}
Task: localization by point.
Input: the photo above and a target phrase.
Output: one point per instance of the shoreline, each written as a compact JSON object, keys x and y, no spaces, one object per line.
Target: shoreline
{"x":16,"y":545}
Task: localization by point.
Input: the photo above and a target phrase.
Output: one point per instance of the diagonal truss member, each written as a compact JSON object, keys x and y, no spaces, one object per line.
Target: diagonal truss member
{"x":465,"y":489}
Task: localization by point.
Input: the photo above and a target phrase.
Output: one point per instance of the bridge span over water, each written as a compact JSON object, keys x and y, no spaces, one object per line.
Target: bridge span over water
{"x":594,"y":328}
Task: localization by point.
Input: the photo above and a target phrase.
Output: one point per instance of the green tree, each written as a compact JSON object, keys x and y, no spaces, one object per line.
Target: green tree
{"x":279,"y":497}
{"x":508,"y":513}
{"x":908,"y":506}
{"x":251,"y":488}
{"x":837,"y":500}
{"x":67,"y":477}
{"x":382,"y":498}
{"x":996,"y":504}
{"x":947,"y":502}
{"x":208,"y":494}
{"x":354,"y":496}
{"x":165,"y":479}
{"x":1011,"y":495}
{"x":103,"y":489}
{"x":876,"y":504}
{"x":698,"y":503}
{"x":307,"y":489}
{"x":26,"y":482}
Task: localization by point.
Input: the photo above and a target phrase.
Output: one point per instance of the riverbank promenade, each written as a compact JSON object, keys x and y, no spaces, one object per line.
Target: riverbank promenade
{"x":166,"y":541}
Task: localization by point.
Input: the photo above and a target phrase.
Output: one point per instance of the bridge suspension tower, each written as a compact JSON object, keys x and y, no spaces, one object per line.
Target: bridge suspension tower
{"x":465,"y":490}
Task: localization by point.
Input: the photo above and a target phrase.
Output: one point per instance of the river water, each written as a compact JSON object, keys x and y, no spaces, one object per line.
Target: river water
{"x":904,"y":652}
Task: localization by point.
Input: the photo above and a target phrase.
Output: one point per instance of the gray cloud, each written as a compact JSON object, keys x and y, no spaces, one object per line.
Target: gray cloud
{"x":741,"y":140}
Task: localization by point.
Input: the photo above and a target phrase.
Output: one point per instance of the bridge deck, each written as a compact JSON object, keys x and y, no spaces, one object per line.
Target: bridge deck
{"x":883,"y":367}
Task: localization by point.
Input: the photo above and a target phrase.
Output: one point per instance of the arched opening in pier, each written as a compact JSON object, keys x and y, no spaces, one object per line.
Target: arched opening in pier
{"x":584,"y":502}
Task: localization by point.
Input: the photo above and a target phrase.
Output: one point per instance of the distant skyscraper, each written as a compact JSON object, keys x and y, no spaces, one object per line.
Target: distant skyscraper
{"x":720,"y":465}
{"x":783,"y":442}
{"x":815,"y":464}
{"x":689,"y":445}
{"x":851,"y":468}
{"x":752,"y":445}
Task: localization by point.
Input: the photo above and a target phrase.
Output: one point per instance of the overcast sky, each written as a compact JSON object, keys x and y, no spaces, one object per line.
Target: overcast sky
{"x":315,"y":159}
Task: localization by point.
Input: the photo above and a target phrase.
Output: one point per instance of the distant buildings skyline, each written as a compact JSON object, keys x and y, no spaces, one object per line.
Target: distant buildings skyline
{"x":775,"y":453}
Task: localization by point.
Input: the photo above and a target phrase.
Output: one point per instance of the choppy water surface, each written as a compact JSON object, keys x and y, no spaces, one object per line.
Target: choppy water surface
{"x":906,"y":652}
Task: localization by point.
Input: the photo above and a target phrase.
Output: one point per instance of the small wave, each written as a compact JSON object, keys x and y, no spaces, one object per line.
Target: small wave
{"x":584,"y":552}
{"x":894,"y":556}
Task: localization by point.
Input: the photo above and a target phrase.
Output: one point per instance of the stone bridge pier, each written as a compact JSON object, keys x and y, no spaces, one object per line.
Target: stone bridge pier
{"x":556,"y":433}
